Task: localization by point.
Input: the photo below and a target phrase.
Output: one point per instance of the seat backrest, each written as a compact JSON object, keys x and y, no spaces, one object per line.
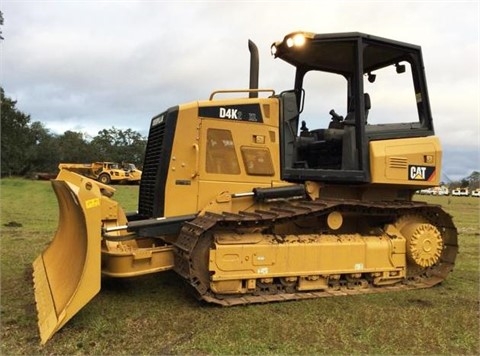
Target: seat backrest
{"x":368,"y":105}
{"x":351,"y":109}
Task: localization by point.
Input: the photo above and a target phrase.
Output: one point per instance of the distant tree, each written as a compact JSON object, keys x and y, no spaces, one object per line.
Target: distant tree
{"x":74,"y":148}
{"x":473,"y":180}
{"x":119,"y":145}
{"x":134,"y":145}
{"x":1,"y":24}
{"x":474,"y":177}
{"x":43,"y":154}
{"x":16,"y":140}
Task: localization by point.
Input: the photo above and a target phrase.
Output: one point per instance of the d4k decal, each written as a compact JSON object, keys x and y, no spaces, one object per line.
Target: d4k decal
{"x":240,"y":112}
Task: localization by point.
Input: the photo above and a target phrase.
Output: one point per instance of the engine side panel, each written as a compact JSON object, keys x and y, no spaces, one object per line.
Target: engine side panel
{"x":414,"y":162}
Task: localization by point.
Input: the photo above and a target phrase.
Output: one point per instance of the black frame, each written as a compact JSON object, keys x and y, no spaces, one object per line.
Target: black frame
{"x":352,"y":55}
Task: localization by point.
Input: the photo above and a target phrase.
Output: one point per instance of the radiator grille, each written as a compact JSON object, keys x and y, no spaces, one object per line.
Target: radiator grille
{"x":155,"y":166}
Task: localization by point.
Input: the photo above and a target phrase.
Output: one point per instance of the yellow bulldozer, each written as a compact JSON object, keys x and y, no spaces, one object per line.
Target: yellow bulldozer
{"x":249,"y":205}
{"x":105,"y":172}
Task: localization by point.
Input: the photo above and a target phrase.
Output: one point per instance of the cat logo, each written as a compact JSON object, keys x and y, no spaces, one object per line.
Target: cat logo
{"x":158,"y":120}
{"x":421,"y":173}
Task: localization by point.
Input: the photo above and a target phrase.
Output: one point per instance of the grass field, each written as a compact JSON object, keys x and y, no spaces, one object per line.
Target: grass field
{"x":157,"y":315}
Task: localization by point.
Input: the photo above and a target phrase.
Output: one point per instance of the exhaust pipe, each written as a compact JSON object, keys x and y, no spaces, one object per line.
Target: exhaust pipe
{"x":254,"y":66}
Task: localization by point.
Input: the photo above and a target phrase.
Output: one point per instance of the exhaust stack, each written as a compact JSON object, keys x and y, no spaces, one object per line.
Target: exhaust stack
{"x":254,"y":67}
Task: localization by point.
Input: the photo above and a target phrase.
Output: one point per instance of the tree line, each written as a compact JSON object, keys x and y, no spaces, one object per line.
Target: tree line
{"x":29,"y":147}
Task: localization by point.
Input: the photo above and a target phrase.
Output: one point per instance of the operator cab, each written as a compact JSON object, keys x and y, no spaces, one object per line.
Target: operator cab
{"x":350,"y":89}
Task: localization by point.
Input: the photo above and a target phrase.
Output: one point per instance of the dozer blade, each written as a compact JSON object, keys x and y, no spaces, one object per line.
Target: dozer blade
{"x":67,"y":274}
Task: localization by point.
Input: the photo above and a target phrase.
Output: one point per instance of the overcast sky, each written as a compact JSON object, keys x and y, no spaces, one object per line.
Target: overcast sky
{"x":89,"y":65}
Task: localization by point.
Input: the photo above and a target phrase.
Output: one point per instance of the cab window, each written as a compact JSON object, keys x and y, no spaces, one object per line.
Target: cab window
{"x":257,"y":161}
{"x":221,"y":155}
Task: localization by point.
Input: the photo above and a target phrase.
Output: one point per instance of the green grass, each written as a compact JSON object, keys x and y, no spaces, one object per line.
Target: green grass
{"x":157,"y":315}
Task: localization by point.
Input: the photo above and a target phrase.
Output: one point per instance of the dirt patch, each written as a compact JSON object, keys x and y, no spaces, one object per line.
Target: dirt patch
{"x":421,"y":302}
{"x":13,"y":224}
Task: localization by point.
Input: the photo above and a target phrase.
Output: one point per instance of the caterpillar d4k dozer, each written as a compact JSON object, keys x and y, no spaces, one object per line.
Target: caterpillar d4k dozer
{"x":249,"y":205}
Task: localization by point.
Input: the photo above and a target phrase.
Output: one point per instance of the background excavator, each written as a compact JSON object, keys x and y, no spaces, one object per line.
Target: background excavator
{"x":249,"y":205}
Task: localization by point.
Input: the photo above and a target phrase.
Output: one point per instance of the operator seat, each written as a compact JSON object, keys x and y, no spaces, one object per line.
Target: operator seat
{"x":350,"y":118}
{"x":349,"y":147}
{"x":368,"y":105}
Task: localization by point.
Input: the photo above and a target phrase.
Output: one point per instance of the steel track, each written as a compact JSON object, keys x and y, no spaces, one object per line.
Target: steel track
{"x":195,"y":239}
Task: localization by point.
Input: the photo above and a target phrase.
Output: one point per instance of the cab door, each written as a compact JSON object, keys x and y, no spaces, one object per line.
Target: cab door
{"x":237,"y":155}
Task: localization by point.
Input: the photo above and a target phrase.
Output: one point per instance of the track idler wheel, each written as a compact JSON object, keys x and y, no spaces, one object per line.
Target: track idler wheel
{"x":424,"y":241}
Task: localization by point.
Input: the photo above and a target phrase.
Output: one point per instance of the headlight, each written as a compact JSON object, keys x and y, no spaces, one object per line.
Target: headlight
{"x":291,"y":41}
{"x":273,"y":49}
{"x":297,"y":40}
